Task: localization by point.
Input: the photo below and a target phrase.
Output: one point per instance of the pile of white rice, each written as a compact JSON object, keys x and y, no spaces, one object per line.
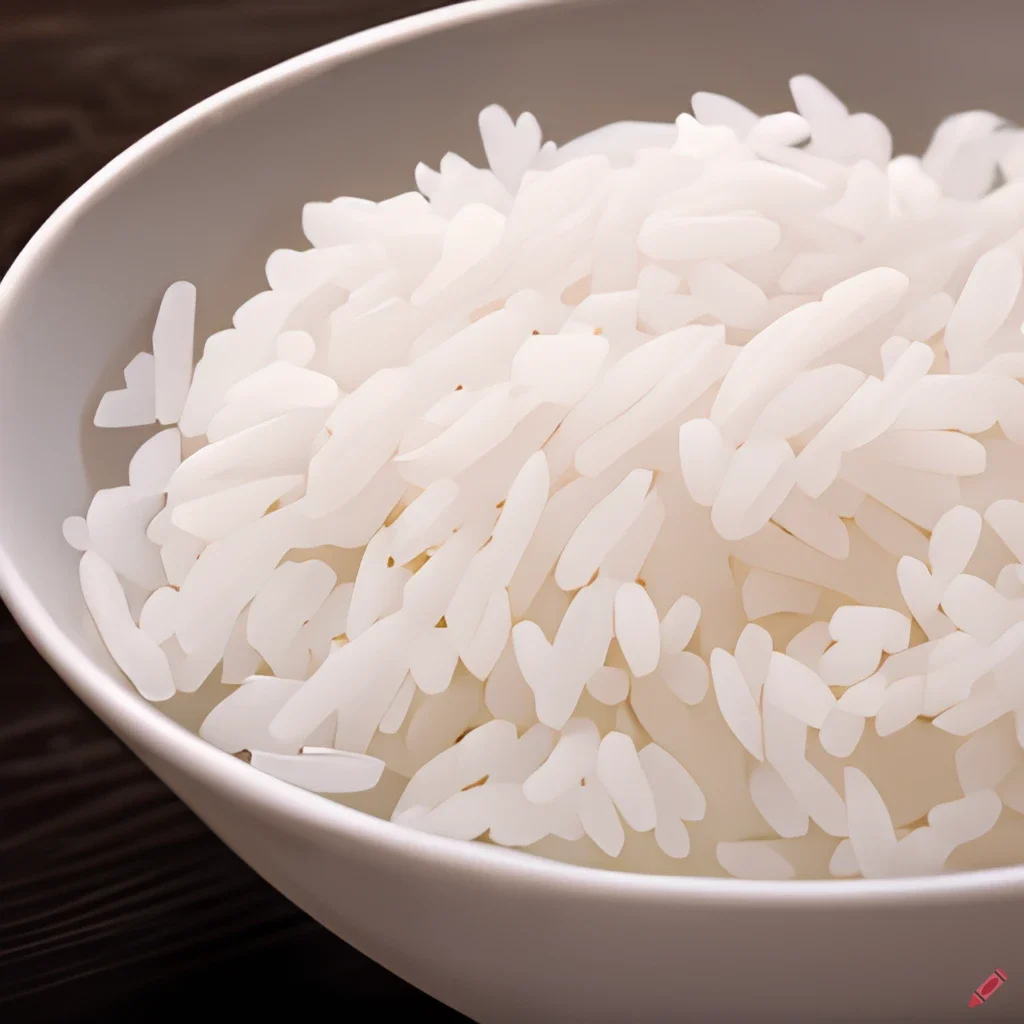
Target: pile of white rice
{"x":654,"y":501}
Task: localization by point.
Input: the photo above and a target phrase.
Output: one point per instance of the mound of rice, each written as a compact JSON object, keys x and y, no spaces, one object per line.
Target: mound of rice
{"x":654,"y":501}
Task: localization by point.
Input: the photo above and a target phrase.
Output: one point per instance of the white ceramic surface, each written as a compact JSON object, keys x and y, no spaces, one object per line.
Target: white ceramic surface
{"x":499,"y":935}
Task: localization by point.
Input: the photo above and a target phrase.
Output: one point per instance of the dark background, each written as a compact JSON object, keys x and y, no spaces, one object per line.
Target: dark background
{"x":116,"y":903}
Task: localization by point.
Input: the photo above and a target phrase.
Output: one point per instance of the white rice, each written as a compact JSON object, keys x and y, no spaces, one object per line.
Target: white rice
{"x":611,"y":489}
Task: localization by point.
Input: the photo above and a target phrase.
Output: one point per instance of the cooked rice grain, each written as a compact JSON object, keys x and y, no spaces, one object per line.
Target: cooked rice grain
{"x":489,"y":488}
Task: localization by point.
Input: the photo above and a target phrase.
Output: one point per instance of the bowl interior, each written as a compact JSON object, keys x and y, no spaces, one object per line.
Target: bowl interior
{"x":209,"y":198}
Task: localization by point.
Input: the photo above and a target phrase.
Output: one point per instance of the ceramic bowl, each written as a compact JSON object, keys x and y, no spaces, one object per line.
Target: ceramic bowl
{"x":500,"y":935}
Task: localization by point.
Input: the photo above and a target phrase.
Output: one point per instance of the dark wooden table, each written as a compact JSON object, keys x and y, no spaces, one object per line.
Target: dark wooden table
{"x":116,"y":903}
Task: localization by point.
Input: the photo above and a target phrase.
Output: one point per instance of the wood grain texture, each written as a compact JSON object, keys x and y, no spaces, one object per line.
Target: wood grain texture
{"x":116,"y":903}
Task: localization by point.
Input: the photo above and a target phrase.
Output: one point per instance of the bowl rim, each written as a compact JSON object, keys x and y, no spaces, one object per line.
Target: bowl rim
{"x":129,"y":714}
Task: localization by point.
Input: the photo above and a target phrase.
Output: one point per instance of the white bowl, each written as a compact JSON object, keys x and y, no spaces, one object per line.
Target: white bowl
{"x":497,"y":934}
